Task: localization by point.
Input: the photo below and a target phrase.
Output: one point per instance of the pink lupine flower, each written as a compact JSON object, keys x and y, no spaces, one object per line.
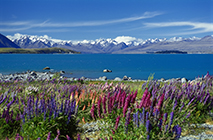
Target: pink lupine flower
{"x":160,"y":101}
{"x":147,"y":101}
{"x":104,"y":104}
{"x":92,"y":111}
{"x":117,"y":122}
{"x":143,"y":98}
{"x":99,"y":107}
{"x":134,"y":96}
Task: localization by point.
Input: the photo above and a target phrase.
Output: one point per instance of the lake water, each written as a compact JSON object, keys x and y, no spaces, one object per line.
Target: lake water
{"x":137,"y":66}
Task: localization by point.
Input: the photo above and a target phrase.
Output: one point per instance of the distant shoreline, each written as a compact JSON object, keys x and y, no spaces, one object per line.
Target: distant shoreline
{"x":54,"y":50}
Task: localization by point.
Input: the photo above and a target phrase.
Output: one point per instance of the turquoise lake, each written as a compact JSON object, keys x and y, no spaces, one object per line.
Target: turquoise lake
{"x":137,"y":66}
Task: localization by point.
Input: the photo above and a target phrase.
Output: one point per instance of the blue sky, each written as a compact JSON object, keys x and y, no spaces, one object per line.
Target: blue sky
{"x":94,"y":19}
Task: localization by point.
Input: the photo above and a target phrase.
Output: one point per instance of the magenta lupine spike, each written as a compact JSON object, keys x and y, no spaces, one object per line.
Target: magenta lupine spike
{"x":118,"y":95}
{"x":113,"y":100}
{"x":92,"y":111}
{"x":123,"y":99}
{"x":124,"y":110}
{"x":134,"y":96}
{"x":99,"y":107}
{"x":68,"y":138}
{"x":79,"y":137}
{"x":147,"y":101}
{"x":117,"y":122}
{"x":143,"y":98}
{"x":48,"y":136}
{"x":160,"y":101}
{"x":104,"y":104}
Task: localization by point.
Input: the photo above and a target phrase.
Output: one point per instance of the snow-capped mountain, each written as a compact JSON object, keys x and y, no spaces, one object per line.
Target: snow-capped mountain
{"x":121,"y":44}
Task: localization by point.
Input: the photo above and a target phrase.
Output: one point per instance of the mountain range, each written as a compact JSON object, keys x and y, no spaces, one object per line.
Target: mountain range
{"x":119,"y":45}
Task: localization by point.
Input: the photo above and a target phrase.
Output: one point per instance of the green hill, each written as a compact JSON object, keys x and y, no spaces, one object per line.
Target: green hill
{"x":36,"y":51}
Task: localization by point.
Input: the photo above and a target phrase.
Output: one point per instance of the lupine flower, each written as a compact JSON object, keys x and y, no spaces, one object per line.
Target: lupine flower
{"x":171,"y":118}
{"x":160,"y":101}
{"x":79,"y":137}
{"x":143,"y":98}
{"x":48,"y":136}
{"x":148,"y":126}
{"x":68,"y":138}
{"x":142,"y":117}
{"x":182,"y":107}
{"x":191,"y":101}
{"x":92,"y":111}
{"x":175,"y":104}
{"x":188,"y":115}
{"x":127,"y":119}
{"x":134,"y":97}
{"x":117,"y":122}
{"x":104,"y":104}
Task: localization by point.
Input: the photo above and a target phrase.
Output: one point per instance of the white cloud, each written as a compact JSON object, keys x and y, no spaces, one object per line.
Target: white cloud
{"x":24,"y":25}
{"x":197,"y":27}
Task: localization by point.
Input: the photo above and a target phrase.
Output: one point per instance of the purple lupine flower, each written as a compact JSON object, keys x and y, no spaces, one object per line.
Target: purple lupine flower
{"x":10,"y":103}
{"x":39,"y":138}
{"x":99,"y":107}
{"x":79,"y":137}
{"x":148,"y":126}
{"x":166,"y":127}
{"x":117,"y":122}
{"x":136,"y":117}
{"x":188,"y":115}
{"x":147,"y":115}
{"x":69,"y":117}
{"x":175,"y":104}
{"x":48,"y":136}
{"x":3,"y":99}
{"x":191,"y":101}
{"x":142,"y":117}
{"x":179,"y":132}
{"x":182,"y":107}
{"x":127,"y":119}
{"x":207,"y":96}
{"x":165,"y":117}
{"x":171,"y":118}
{"x":160,"y":124}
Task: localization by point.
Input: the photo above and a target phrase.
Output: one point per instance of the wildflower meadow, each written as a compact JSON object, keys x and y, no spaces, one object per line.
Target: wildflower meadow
{"x":57,"y":108}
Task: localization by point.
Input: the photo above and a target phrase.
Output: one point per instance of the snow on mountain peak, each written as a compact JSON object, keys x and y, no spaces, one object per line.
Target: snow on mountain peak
{"x":128,"y":40}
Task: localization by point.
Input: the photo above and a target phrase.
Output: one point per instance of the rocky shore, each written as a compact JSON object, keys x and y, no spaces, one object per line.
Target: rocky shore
{"x":33,"y":75}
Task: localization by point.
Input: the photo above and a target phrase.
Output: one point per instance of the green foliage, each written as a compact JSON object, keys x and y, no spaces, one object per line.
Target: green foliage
{"x":38,"y":127}
{"x":9,"y":129}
